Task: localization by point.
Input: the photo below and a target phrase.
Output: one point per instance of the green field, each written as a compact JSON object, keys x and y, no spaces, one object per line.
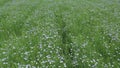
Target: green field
{"x":59,"y":33}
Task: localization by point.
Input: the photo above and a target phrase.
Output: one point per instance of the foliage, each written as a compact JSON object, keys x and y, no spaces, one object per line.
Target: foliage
{"x":59,"y":34}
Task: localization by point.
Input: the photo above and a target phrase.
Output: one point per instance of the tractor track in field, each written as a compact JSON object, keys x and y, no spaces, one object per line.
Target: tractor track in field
{"x":66,"y":41}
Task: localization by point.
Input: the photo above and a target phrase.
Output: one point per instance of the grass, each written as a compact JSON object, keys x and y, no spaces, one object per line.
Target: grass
{"x":59,"y":34}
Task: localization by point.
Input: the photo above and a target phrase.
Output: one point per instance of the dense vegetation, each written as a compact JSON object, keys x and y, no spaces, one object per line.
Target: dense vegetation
{"x":59,"y":33}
